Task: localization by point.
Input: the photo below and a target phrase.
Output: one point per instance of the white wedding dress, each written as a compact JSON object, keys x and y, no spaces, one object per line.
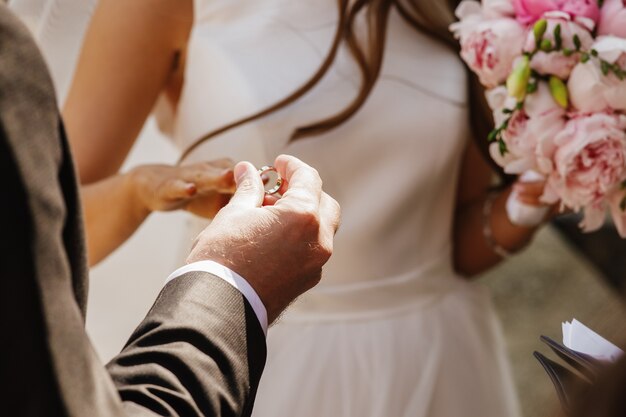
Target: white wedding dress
{"x":391,"y":331}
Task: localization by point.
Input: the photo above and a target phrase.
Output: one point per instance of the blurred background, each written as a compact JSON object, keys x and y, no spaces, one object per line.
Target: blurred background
{"x":534,"y":292}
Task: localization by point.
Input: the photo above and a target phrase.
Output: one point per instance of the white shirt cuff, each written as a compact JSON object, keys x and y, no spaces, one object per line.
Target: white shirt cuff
{"x":233,"y":279}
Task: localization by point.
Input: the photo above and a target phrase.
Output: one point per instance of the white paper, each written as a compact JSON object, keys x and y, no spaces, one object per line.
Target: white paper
{"x":580,"y":338}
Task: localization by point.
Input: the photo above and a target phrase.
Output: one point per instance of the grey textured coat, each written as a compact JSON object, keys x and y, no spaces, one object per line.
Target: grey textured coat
{"x":200,"y":351}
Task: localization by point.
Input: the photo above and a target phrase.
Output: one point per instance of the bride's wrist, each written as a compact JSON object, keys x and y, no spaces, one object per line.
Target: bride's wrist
{"x":487,"y":227}
{"x":501,"y":235}
{"x":134,"y":190}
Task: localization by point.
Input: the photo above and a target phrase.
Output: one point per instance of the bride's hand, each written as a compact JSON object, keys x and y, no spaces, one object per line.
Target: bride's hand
{"x":202,"y":188}
{"x":530,"y":192}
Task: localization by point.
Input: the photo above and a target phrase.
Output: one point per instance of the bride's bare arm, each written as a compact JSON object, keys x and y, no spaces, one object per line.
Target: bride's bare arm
{"x":129,"y":56}
{"x":201,"y":188}
{"x":472,"y":253}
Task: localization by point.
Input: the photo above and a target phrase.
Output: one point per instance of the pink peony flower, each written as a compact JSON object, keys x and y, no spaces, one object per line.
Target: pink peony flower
{"x":529,"y":128}
{"x":489,"y":47}
{"x":590,"y":90}
{"x":498,"y":100}
{"x":595,"y":215}
{"x":556,"y":63}
{"x":484,"y":10}
{"x":611,"y":49}
{"x":613,"y":18}
{"x":529,"y":11}
{"x":493,"y":9}
{"x":618,"y":215}
{"x":588,"y":165}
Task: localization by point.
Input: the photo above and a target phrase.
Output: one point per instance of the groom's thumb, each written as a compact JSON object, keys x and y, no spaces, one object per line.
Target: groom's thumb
{"x":250,"y":189}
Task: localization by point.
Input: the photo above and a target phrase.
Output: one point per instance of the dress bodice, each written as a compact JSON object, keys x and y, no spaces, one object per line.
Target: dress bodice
{"x":393,"y":167}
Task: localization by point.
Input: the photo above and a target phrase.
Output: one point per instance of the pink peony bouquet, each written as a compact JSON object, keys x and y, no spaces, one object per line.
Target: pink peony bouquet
{"x":555,"y":74}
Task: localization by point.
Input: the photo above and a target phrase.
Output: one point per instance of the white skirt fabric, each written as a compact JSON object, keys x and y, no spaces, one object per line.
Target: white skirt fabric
{"x":426,"y":343}
{"x":438,"y":359}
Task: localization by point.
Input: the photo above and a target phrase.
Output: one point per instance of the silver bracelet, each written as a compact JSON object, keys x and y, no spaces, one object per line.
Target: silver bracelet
{"x":488,"y":232}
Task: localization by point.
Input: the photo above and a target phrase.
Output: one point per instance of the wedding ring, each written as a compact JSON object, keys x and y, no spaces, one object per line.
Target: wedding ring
{"x":279,"y":179}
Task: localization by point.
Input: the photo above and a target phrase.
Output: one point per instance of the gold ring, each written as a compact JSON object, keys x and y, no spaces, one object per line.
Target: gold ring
{"x":279,"y":179}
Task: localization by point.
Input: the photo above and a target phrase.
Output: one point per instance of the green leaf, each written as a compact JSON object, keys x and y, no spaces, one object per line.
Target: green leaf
{"x":558,"y":42}
{"x":605,"y":67}
{"x":502,"y":147}
{"x":584,"y":57}
{"x":493,"y":135}
{"x":558,"y":89}
{"x":594,"y":52}
{"x":567,"y":52}
{"x":545,"y":45}
{"x":618,"y":71}
{"x":518,"y":79}
{"x":507,"y":111}
{"x":539,"y":29}
{"x":577,"y":42}
{"x":532,"y":87}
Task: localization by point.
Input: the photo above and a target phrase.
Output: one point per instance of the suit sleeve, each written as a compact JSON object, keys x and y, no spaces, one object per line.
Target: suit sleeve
{"x":199,"y":352}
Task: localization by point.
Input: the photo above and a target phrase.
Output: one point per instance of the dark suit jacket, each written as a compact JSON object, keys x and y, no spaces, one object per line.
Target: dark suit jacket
{"x":200,"y":350}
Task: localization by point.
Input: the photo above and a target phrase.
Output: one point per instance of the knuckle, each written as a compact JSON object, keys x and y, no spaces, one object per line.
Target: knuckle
{"x":315,"y":173}
{"x":315,"y":278}
{"x":316,"y":178}
{"x":309,"y":218}
{"x":336,"y":208}
{"x":325,"y":251}
{"x":333,"y":212}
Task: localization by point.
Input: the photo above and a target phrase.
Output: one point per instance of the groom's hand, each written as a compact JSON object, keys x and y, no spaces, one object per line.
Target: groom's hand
{"x":280,"y":248}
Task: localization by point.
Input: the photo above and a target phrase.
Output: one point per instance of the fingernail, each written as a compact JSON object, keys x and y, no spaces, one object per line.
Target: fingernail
{"x":191,"y":189}
{"x":240,"y":172}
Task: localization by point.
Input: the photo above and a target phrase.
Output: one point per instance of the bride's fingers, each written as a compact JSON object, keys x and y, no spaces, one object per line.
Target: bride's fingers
{"x":207,"y":206}
{"x":209,"y":178}
{"x":177,"y":189}
{"x":530,"y":200}
{"x":225,"y":163}
{"x":530,"y":193}
{"x":530,"y":188}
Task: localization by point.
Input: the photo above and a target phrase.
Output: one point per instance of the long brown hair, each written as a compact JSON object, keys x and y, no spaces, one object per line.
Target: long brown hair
{"x":428,"y":16}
